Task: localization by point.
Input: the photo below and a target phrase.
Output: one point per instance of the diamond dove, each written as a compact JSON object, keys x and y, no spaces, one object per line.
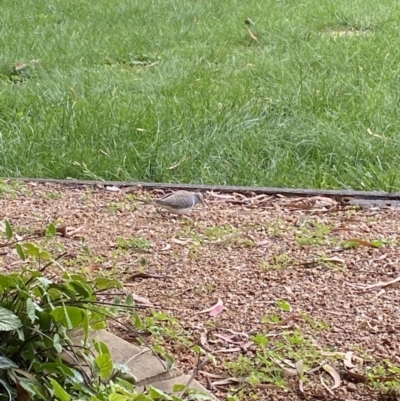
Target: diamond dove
{"x":179,"y":202}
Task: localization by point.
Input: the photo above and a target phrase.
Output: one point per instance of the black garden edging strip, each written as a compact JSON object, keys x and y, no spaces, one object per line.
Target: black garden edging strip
{"x":337,"y":194}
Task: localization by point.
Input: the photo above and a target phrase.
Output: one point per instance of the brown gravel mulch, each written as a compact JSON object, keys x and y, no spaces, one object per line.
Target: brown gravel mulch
{"x":327,"y":271}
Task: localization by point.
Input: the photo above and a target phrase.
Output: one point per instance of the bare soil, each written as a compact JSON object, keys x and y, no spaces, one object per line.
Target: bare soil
{"x":280,"y":266}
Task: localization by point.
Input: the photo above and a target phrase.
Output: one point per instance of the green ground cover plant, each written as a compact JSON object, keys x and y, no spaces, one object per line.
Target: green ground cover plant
{"x":38,"y":312}
{"x":181,"y":92}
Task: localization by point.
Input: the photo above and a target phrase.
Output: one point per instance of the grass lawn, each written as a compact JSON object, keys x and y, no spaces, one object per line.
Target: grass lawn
{"x":178,"y":91}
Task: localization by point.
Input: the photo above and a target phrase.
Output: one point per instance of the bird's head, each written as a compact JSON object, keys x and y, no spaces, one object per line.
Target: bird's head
{"x":198,"y":196}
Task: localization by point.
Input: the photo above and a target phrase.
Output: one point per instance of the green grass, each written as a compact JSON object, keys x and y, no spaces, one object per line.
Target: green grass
{"x":178,"y":92}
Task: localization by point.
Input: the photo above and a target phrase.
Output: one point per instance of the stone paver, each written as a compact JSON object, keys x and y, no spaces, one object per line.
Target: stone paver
{"x":147,"y":368}
{"x":168,"y":385}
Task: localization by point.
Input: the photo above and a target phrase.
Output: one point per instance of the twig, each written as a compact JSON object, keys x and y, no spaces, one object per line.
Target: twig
{"x":376,"y":285}
{"x":136,"y":275}
{"x":43,"y":268}
{"x":19,"y":240}
{"x":136,"y":356}
{"x":195,"y":372}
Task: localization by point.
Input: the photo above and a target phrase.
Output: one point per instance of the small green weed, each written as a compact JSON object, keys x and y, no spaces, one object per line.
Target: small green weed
{"x":314,"y":235}
{"x":11,"y":189}
{"x":218,"y":232}
{"x":52,"y":195}
{"x":133,"y":243}
{"x":385,"y":377}
{"x":316,"y":325}
{"x":115,"y":207}
{"x":279,"y":262}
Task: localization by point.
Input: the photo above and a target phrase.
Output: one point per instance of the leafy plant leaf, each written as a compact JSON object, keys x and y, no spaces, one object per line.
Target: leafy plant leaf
{"x":30,"y":310}
{"x":157,"y":394}
{"x":6,"y":363}
{"x":9,"y":230}
{"x":142,"y":397}
{"x":8,"y":320}
{"x":105,"y":365}
{"x":56,"y":343}
{"x":31,"y":249}
{"x":20,"y":251}
{"x":51,"y":230}
{"x":59,"y":392}
{"x":69,"y":316}
{"x":103,"y":283}
{"x":284,"y":305}
{"x":101,"y":347}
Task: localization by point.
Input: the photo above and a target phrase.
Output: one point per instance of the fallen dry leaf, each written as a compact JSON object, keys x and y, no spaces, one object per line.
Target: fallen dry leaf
{"x":300,"y":367}
{"x":22,"y":394}
{"x":254,"y":37}
{"x":347,"y":360}
{"x":334,"y":374}
{"x":361,"y":242}
{"x":227,"y":339}
{"x":113,"y":189}
{"x":93,"y":268}
{"x":214,"y":310}
{"x":334,"y":259}
{"x":203,"y":341}
{"x":141,"y":300}
{"x":325,"y":385}
{"x":229,"y":380}
{"x":227,"y":350}
{"x":286,"y":371}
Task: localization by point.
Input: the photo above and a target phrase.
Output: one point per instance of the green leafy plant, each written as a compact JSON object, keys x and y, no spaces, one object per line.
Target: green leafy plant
{"x":38,"y":312}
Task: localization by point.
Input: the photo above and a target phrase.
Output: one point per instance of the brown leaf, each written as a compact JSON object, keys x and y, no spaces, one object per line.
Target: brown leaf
{"x":167,"y":247}
{"x":227,"y":350}
{"x":286,"y":371}
{"x":254,"y":37}
{"x":22,"y":394}
{"x":375,"y":135}
{"x":224,"y":382}
{"x":214,"y":310}
{"x":237,"y":333}
{"x":113,"y":189}
{"x":288,"y":290}
{"x":300,"y":367}
{"x":141,"y":300}
{"x":334,"y":374}
{"x":247,"y":345}
{"x":362,"y":288}
{"x":356,"y":376}
{"x":325,"y":385}
{"x":93,"y":268}
{"x":383,"y":256}
{"x":181,"y":242}
{"x":209,"y":386}
{"x":362,"y":242}
{"x":212,"y":375}
{"x":227,"y":339}
{"x":134,"y":276}
{"x":334,"y":259}
{"x":347,"y":360}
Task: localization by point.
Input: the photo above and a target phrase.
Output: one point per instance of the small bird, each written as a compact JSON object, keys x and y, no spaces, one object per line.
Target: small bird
{"x":180,"y":202}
